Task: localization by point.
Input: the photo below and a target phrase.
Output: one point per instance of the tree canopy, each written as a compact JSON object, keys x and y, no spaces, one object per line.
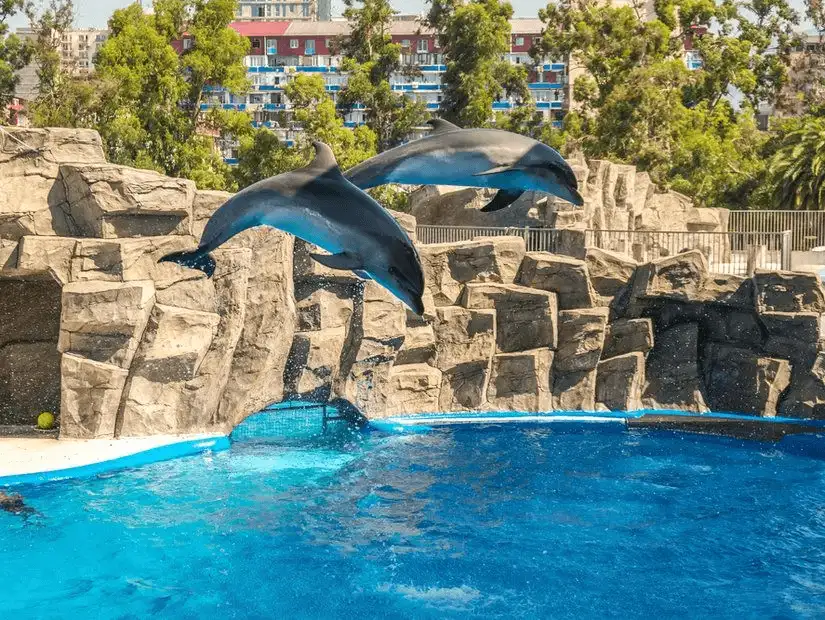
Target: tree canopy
{"x":15,"y":53}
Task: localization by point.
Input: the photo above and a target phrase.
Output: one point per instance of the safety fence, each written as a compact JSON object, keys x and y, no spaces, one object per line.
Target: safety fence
{"x":737,"y":253}
{"x":807,"y":227}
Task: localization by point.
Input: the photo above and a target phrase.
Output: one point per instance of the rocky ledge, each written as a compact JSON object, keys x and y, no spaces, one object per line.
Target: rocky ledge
{"x":94,"y":328}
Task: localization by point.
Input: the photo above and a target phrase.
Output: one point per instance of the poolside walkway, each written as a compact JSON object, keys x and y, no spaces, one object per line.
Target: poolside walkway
{"x":25,"y":456}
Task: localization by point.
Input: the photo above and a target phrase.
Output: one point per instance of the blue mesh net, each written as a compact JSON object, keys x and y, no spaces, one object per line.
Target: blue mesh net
{"x":289,"y":420}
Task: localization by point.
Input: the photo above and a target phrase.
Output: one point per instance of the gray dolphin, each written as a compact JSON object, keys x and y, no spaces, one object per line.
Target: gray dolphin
{"x":490,"y":158}
{"x":317,"y":204}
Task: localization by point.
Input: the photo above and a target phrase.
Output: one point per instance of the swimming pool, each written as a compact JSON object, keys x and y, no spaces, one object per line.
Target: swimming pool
{"x":471,"y":521}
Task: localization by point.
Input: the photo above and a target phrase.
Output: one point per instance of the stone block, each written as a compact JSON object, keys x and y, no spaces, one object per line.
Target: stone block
{"x":464,"y":336}
{"x":525,"y":317}
{"x":521,"y":381}
{"x":104,"y":321}
{"x":448,"y":266}
{"x":565,"y":276}
{"x":625,"y":336}
{"x":788,"y":291}
{"x":112,"y":201}
{"x":581,"y":338}
{"x":609,"y":271}
{"x":619,"y":382}
{"x":414,"y":388}
{"x":741,"y":381}
{"x":90,"y":397}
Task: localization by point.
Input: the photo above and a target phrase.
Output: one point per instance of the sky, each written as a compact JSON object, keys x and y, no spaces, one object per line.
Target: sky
{"x":95,"y":13}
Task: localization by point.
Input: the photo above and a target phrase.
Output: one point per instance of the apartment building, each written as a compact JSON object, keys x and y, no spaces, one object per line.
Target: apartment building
{"x":78,"y":48}
{"x":284,"y":9}
{"x":280,"y":50}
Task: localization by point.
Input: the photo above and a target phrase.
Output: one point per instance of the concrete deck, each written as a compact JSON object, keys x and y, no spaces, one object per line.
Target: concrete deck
{"x":24,"y":459}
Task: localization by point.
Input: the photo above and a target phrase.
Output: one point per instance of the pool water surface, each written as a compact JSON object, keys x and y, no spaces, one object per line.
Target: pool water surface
{"x":478,"y":521}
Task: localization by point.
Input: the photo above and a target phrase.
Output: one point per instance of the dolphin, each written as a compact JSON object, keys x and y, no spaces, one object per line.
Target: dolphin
{"x":317,"y":204}
{"x":492,"y":158}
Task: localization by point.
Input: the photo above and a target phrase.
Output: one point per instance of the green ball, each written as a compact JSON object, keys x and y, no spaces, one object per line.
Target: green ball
{"x":45,"y":420}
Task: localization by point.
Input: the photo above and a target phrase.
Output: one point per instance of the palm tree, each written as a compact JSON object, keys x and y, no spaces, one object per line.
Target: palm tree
{"x":798,"y":167}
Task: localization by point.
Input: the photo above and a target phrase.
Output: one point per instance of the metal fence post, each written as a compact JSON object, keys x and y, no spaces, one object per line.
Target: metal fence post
{"x":786,"y":250}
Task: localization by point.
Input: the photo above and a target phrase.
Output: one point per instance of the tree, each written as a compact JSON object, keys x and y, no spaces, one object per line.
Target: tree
{"x":608,"y":42}
{"x":151,"y":116}
{"x":474,"y":37}
{"x":54,"y":79}
{"x":15,"y":53}
{"x":638,"y":103}
{"x":315,"y":112}
{"x":798,"y":168}
{"x":371,"y":58}
{"x":262,"y":155}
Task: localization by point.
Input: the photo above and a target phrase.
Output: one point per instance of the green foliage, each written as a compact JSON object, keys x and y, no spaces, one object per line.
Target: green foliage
{"x":798,"y":167}
{"x":316,"y":113}
{"x":371,"y":58}
{"x":145,"y":97}
{"x":391,"y":197}
{"x":637,"y":103}
{"x":54,"y":80}
{"x":15,"y":53}
{"x":473,"y":37}
{"x":262,"y":155}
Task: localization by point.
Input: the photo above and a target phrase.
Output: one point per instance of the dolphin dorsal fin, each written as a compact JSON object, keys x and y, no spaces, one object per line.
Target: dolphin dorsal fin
{"x":324,"y":157}
{"x":439,"y":125}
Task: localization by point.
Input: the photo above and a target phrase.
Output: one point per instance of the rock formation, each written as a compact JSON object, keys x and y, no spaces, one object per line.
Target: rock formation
{"x":119,"y":345}
{"x":616,"y":197}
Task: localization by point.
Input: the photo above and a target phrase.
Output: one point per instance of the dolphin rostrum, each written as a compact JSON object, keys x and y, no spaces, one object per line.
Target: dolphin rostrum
{"x":492,"y":158}
{"x":317,"y":204}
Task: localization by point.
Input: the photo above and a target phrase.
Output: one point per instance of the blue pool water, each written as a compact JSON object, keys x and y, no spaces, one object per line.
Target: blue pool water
{"x":482,"y":521}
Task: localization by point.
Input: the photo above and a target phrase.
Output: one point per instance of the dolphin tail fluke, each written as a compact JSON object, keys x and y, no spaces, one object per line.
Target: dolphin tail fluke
{"x":503,"y":199}
{"x":194,"y":260}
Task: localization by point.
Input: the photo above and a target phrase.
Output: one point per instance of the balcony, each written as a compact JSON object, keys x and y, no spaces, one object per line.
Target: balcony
{"x":274,"y":106}
{"x":414,"y":87}
{"x":545,"y":85}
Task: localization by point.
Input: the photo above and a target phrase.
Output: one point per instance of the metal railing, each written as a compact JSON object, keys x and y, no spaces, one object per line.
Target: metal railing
{"x":536,"y":239}
{"x":737,"y":253}
{"x":807,"y":227}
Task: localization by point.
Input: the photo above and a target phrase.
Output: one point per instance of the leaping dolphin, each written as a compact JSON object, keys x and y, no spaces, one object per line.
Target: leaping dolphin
{"x":317,"y":204}
{"x":492,"y":158}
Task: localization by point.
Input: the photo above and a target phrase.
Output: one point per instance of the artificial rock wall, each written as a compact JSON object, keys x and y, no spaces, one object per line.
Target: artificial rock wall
{"x":616,"y":197}
{"x":94,"y":327}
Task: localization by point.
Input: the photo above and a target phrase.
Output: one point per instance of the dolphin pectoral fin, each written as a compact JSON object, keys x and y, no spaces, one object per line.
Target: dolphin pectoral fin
{"x":344,"y":261}
{"x":439,"y":125}
{"x":503,"y":199}
{"x":498,"y":170}
{"x":362,"y":274}
{"x":193,"y":260}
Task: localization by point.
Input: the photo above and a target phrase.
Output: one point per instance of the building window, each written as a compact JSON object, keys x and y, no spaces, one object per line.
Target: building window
{"x":309,"y":47}
{"x":328,"y":43}
{"x":306,"y":10}
{"x":259,"y":11}
{"x":187,"y":44}
{"x":405,"y":43}
{"x":256,"y":44}
{"x":293,"y":44}
{"x":423,"y":46}
{"x":536,"y":40}
{"x":519,"y":40}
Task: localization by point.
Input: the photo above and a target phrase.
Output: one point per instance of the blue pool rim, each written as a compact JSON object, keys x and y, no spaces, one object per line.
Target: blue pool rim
{"x":809,"y":443}
{"x":166,"y":452}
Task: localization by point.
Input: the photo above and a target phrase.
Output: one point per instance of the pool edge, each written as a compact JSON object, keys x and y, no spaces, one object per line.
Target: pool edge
{"x":155,"y":454}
